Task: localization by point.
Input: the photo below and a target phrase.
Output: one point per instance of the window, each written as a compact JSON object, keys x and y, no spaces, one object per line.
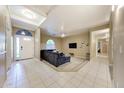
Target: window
{"x":24,"y":32}
{"x":17,"y":48}
{"x":50,"y":44}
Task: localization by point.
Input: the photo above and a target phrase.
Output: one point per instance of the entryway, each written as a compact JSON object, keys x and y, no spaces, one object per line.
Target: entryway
{"x":102,"y":47}
{"x":100,"y":43}
{"x":23,"y":45}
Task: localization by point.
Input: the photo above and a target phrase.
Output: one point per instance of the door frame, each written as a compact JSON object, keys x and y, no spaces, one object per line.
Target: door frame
{"x":14,"y":47}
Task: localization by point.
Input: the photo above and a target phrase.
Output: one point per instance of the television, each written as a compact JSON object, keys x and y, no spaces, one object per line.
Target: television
{"x":72,"y":45}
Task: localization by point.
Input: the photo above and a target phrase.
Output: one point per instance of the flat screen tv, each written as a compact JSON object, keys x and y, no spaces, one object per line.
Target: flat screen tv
{"x":72,"y":45}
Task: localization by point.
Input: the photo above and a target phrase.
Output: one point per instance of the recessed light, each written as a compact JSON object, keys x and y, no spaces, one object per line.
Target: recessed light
{"x":63,"y":35}
{"x":28,"y":13}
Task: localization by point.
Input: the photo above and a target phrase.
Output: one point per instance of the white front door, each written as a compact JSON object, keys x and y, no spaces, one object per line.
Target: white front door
{"x":24,"y":47}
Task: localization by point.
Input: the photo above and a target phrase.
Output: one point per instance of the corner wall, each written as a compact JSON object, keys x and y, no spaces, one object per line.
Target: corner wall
{"x":118,"y":46}
{"x":9,"y":54}
{"x":81,"y":49}
{"x":57,"y":40}
{"x":37,"y":44}
{"x":92,"y":39}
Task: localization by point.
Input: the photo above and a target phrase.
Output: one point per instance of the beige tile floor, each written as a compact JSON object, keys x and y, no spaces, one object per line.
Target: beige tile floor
{"x":33,"y":73}
{"x":73,"y":66}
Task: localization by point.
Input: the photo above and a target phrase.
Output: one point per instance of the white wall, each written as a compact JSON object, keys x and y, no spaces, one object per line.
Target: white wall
{"x":5,"y":42}
{"x":37,"y":43}
{"x":9,"y":55}
{"x":81,"y":50}
{"x":118,"y":46}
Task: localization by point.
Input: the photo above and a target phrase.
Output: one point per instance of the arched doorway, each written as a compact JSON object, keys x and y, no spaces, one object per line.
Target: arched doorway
{"x":24,"y":45}
{"x":50,"y":44}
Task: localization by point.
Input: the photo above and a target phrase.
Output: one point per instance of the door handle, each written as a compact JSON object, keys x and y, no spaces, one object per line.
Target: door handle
{"x":21,"y":47}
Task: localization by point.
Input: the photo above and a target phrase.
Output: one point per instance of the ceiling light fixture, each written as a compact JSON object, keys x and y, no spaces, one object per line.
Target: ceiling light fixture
{"x":113,"y":7}
{"x":63,"y":35}
{"x":28,"y":13}
{"x":62,"y":28}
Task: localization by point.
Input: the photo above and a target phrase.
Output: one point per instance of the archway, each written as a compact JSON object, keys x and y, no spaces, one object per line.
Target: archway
{"x":50,"y":44}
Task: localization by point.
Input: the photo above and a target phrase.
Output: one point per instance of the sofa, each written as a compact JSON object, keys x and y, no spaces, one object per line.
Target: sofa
{"x":54,"y":58}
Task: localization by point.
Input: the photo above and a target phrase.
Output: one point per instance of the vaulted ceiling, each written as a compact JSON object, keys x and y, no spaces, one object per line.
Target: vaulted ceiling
{"x":67,"y":20}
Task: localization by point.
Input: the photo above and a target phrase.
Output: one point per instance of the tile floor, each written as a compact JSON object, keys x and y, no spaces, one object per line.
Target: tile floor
{"x":33,"y":73}
{"x":73,"y":66}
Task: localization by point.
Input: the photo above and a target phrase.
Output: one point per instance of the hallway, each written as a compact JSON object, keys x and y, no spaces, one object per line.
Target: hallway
{"x":35,"y":74}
